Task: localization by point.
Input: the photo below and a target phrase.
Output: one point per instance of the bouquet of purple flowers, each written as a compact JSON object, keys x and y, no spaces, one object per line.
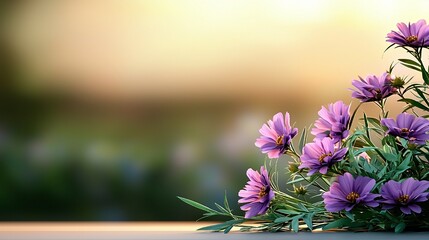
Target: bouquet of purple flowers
{"x":373,"y":178}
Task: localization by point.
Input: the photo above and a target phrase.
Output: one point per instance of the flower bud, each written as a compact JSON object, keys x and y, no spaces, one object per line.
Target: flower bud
{"x":300,"y":190}
{"x":397,"y":82}
{"x":293,"y":167}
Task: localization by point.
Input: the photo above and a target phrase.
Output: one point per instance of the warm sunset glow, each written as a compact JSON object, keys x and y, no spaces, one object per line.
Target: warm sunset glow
{"x":154,"y":49}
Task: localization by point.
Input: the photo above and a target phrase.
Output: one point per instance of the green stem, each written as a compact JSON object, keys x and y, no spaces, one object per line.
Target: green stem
{"x":382,"y":105}
{"x":314,"y":183}
{"x":290,"y":197}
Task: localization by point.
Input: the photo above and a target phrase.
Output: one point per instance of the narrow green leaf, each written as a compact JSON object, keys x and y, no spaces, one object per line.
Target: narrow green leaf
{"x":282,"y":219}
{"x":409,"y":61}
{"x":382,"y":172}
{"x":422,"y":95}
{"x":302,"y":140}
{"x":400,"y":227}
{"x":354,"y":114}
{"x":302,"y":207}
{"x":222,"y":226}
{"x":288,"y":212}
{"x":374,"y":121}
{"x":222,"y":209}
{"x":391,"y":45}
{"x":405,"y":164}
{"x":414,"y":103}
{"x":350,"y":215}
{"x":425,"y":175}
{"x":366,"y":126}
{"x":411,"y":67}
{"x":414,"y":85}
{"x":369,"y":168}
{"x":197,"y":205}
{"x":363,"y":149}
{"x":228,"y":229}
{"x":296,"y":180}
{"x":425,"y":74}
{"x":225,"y":202}
{"x":337,"y":223}
{"x":295,"y":224}
{"x":308,"y":219}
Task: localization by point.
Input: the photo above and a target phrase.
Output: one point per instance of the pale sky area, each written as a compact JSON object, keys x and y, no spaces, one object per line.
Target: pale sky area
{"x":242,"y":49}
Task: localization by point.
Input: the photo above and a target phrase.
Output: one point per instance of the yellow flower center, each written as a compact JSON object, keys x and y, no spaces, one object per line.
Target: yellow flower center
{"x":262,"y":192}
{"x":279,"y":141}
{"x":411,"y":39}
{"x":403,"y":199}
{"x":322,"y":157}
{"x":405,"y":130}
{"x":352,"y":197}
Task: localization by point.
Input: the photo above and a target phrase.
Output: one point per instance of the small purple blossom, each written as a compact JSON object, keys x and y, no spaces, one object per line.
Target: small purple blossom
{"x":373,"y":88}
{"x":276,"y":135}
{"x":320,"y":155}
{"x":413,"y":35}
{"x":407,"y":126}
{"x":404,"y":195}
{"x":347,"y":192}
{"x":332,"y":122}
{"x":257,"y":194}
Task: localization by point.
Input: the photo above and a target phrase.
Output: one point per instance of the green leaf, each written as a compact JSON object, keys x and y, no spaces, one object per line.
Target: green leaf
{"x":228,"y":229}
{"x":409,"y":61}
{"x":405,"y":165}
{"x":340,"y":223}
{"x":363,"y":149}
{"x":354,"y":114}
{"x":302,"y":140}
{"x":350,"y":215}
{"x":400,"y":227}
{"x":308,"y":219}
{"x":288,"y":212}
{"x":411,"y":67}
{"x":296,"y":180}
{"x":391,"y":45}
{"x":366,"y":126}
{"x":414,"y":103}
{"x":302,"y":207}
{"x":295,"y":224}
{"x":225,"y":202}
{"x":391,"y":157}
{"x":223,"y":226}
{"x":221,"y":208}
{"x":197,"y":205}
{"x":425,"y":75}
{"x":282,"y":219}
{"x":374,"y":121}
{"x":422,"y":95}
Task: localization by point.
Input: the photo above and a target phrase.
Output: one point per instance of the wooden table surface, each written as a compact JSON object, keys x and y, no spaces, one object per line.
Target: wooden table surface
{"x":169,"y":230}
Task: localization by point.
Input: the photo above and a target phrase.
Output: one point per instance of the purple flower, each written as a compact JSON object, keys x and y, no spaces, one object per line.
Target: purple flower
{"x":276,"y":136}
{"x":373,"y":88}
{"x":413,"y":35}
{"x":257,"y":194}
{"x":409,"y":127}
{"x":404,"y":195}
{"x":332,"y":122}
{"x":348,"y":192}
{"x":320,"y":155}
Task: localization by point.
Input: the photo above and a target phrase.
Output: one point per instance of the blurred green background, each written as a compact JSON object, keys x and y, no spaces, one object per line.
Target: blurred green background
{"x":111,"y":109}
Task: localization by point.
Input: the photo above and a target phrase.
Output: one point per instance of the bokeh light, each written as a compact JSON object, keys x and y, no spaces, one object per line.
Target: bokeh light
{"x":110,"y":109}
